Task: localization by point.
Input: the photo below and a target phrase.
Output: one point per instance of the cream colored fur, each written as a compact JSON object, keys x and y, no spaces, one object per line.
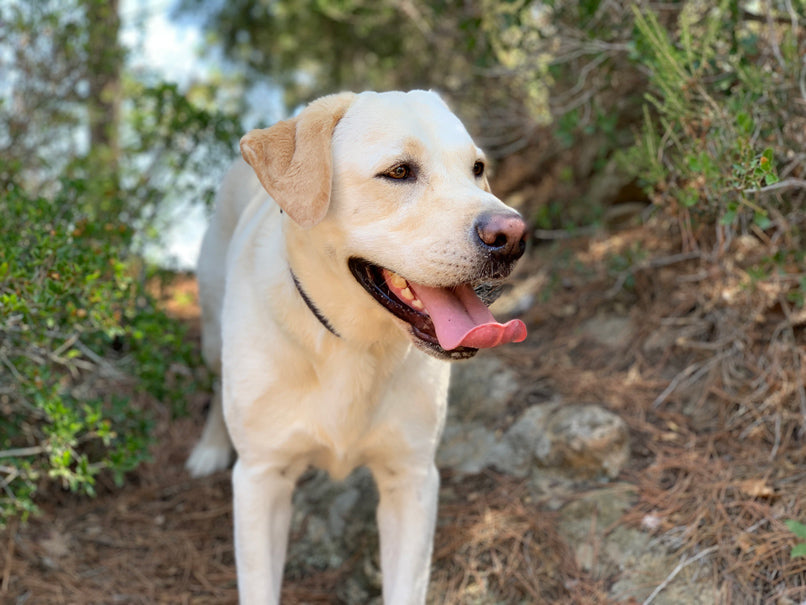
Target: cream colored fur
{"x":294,"y":394}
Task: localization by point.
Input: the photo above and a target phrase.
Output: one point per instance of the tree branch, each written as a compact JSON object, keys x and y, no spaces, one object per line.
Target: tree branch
{"x":780,"y":186}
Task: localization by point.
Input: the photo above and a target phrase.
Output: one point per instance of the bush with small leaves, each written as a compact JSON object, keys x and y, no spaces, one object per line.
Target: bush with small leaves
{"x":84,"y":349}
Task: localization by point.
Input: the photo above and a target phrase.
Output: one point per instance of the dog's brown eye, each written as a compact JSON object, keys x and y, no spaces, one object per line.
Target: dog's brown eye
{"x":478,"y":168}
{"x":400,"y":172}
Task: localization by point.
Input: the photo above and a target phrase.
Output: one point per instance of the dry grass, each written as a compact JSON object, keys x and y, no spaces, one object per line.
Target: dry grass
{"x":495,"y":546}
{"x":711,"y":384}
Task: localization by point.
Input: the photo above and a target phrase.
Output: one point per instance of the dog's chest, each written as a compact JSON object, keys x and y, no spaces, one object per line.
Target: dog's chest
{"x":335,"y":406}
{"x":344,"y":415}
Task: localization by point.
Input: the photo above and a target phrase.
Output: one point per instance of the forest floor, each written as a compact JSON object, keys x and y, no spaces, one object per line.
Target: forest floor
{"x":704,"y":368}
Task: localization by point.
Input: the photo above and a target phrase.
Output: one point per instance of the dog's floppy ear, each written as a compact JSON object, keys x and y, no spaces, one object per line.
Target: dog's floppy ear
{"x":292,"y":159}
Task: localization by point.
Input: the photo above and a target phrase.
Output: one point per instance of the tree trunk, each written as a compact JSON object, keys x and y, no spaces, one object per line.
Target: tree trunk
{"x":104,"y":66}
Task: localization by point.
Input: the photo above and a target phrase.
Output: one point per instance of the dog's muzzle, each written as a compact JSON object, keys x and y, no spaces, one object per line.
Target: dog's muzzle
{"x":452,"y":321}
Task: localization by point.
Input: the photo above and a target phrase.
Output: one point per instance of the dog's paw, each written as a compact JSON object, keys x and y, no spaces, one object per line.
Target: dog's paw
{"x":208,"y":459}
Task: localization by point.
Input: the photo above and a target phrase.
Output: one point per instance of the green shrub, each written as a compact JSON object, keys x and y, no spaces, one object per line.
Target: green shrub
{"x":82,"y":347}
{"x":721,"y":113}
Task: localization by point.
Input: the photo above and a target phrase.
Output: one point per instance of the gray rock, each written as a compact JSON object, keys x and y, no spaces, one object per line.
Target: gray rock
{"x":586,"y":439}
{"x":610,"y":331}
{"x":481,"y":388}
{"x":526,"y":442}
{"x":340,"y":510}
{"x":552,"y":445}
{"x":466,"y":448}
{"x":583,"y":440}
{"x":651,"y":571}
{"x":333,"y":523}
{"x":641,"y":565}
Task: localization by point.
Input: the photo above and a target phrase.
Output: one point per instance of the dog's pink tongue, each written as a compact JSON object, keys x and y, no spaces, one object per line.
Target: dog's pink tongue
{"x":462,"y":320}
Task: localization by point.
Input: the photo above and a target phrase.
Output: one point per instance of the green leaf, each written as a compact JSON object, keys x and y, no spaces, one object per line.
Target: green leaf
{"x":745,"y":122}
{"x":797,"y":528}
{"x":729,"y":217}
{"x":761,"y":220}
{"x":799,"y":550}
{"x":689,"y":197}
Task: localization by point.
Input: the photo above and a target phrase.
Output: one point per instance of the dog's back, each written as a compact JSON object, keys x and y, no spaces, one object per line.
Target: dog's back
{"x":239,"y":189}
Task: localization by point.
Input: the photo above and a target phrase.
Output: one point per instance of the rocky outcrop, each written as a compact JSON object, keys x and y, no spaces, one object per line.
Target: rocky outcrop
{"x":569,"y":454}
{"x":584,"y":440}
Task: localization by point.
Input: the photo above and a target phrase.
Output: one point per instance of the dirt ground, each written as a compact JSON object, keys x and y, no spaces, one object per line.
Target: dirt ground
{"x":706,"y":372}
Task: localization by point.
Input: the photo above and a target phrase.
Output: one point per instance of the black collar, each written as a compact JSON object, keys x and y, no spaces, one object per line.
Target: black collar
{"x":309,"y":303}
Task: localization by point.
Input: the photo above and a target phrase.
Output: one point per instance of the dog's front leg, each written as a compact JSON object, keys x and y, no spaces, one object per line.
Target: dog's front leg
{"x":406,"y":516}
{"x":262,"y":512}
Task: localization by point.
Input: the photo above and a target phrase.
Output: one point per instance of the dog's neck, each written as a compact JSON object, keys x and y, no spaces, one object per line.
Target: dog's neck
{"x":313,"y":308}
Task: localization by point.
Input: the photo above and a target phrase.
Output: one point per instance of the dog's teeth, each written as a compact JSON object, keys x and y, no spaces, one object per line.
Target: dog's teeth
{"x":398,"y":281}
{"x":403,"y":290}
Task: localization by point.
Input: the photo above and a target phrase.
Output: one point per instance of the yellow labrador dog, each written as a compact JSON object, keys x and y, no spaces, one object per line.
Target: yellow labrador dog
{"x":337,"y":276}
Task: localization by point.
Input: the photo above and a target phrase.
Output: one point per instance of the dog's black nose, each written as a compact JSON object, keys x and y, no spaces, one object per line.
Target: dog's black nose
{"x":503,"y":235}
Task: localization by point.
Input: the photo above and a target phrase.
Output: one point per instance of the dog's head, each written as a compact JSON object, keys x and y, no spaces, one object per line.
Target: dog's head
{"x":399,"y":191}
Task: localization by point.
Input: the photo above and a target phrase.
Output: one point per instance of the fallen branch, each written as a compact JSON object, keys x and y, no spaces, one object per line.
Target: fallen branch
{"x":779,"y":186}
{"x":22,"y":451}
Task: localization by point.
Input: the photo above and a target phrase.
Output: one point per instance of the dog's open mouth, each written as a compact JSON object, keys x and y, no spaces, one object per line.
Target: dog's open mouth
{"x":451,"y":322}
